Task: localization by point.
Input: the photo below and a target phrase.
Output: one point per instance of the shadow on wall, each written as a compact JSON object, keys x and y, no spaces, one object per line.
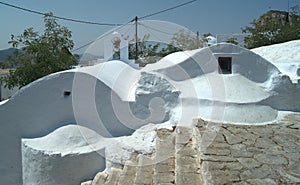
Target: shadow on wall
{"x":34,"y":111}
{"x":53,"y":101}
{"x":38,"y":109}
{"x":285,"y":96}
{"x":246,"y":62}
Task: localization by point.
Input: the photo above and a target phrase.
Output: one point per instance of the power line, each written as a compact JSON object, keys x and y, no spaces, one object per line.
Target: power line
{"x":168,"y":9}
{"x":58,"y":17}
{"x":94,"y":23}
{"x":83,"y":46}
{"x":111,"y":31}
{"x":154,"y":29}
{"x":143,"y":17}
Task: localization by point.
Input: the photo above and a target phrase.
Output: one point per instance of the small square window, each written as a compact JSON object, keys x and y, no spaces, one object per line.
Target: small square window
{"x":67,"y":93}
{"x":225,"y":65}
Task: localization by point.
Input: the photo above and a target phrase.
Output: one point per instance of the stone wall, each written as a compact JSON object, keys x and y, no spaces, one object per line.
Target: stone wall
{"x":213,"y":154}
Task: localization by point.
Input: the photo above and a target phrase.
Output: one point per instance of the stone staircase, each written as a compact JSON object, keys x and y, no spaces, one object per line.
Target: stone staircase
{"x":175,"y":161}
{"x":214,"y":153}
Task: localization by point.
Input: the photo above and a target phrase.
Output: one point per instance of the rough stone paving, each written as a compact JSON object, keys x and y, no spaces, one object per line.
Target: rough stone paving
{"x":240,"y":154}
{"x":212,"y":153}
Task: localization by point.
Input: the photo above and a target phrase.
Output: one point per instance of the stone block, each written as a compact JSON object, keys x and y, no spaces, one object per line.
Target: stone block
{"x":224,"y":176}
{"x":217,"y":158}
{"x":249,"y":163}
{"x":264,"y":143}
{"x":261,"y":181}
{"x":163,"y":133}
{"x":271,"y":159}
{"x":100,"y":178}
{"x":113,"y":177}
{"x":183,"y":135}
{"x":128,"y":174}
{"x":231,"y":138}
{"x":209,"y":165}
{"x":145,"y":170}
{"x":164,"y":168}
{"x":261,"y":172}
{"x":241,"y":153}
{"x":164,"y":178}
{"x":188,"y":178}
{"x":216,"y":151}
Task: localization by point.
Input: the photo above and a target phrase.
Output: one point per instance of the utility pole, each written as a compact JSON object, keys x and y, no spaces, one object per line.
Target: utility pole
{"x":288,"y":11}
{"x":136,"y":38}
{"x":198,"y":43}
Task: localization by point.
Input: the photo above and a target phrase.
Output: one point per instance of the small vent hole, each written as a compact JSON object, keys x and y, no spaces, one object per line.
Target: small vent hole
{"x":67,"y":93}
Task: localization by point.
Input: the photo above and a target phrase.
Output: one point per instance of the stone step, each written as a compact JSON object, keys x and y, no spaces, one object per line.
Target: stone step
{"x":113,"y":176}
{"x":99,"y":178}
{"x":145,"y":169}
{"x":110,"y":177}
{"x":164,"y":168}
{"x":129,"y":172}
{"x":175,"y":161}
{"x":187,"y":159}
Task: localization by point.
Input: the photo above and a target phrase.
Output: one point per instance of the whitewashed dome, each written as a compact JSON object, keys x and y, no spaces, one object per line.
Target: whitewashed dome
{"x":211,"y":40}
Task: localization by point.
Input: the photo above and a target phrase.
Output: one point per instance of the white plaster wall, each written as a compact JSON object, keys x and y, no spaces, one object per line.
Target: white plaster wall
{"x":67,"y":156}
{"x":41,"y":107}
{"x":40,"y":168}
{"x":245,"y":62}
{"x":254,"y":81}
{"x":190,"y":64}
{"x":185,"y":65}
{"x":284,"y":94}
{"x":33,"y":112}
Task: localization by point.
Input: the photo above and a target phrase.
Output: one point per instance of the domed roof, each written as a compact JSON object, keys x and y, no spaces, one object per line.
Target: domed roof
{"x":68,"y":139}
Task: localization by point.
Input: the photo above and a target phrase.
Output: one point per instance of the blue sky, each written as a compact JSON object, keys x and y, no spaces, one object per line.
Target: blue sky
{"x":215,"y":16}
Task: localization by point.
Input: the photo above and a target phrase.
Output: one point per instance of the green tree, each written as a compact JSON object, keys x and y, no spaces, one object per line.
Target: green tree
{"x":150,"y":52}
{"x":269,"y":30}
{"x":232,"y":41}
{"x":207,"y":34}
{"x":146,"y":52}
{"x":185,"y":40}
{"x":181,"y":41}
{"x":145,"y":48}
{"x":4,"y":65}
{"x":40,"y":54}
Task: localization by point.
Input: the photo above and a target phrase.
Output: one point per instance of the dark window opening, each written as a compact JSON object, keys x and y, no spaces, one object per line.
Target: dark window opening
{"x":225,"y":64}
{"x":67,"y":93}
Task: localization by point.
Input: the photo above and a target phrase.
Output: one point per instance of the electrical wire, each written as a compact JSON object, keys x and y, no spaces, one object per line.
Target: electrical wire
{"x":153,"y":35}
{"x":154,"y":29}
{"x":119,"y":27}
{"x":168,"y":9}
{"x":137,"y":18}
{"x":58,"y":17}
{"x":97,"y":23}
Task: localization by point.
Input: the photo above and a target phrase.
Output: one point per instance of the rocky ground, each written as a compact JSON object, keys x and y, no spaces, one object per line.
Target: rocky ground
{"x":213,"y":153}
